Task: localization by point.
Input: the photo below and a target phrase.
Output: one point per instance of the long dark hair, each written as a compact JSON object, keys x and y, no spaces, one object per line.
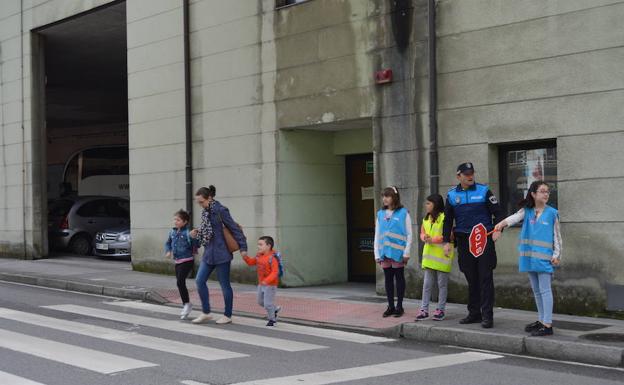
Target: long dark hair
{"x":392,"y":192}
{"x":207,"y":192}
{"x":528,"y":201}
{"x":438,"y":206}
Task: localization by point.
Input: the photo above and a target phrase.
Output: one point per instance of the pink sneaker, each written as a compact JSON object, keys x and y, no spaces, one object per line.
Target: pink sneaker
{"x":438,"y":315}
{"x":422,"y":315}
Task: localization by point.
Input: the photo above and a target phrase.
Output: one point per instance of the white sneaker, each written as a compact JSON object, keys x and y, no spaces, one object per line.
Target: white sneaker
{"x":186,"y":310}
{"x":224,"y":320}
{"x":203,"y":317}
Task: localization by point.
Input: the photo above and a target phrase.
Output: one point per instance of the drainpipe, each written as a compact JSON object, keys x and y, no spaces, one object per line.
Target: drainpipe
{"x":187,"y":111}
{"x":434,"y":177}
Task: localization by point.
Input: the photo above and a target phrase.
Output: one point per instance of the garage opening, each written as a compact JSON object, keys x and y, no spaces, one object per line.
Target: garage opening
{"x":84,"y":105}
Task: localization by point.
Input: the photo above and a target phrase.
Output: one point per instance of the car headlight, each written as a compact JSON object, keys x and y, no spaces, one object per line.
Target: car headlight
{"x":124,"y":238}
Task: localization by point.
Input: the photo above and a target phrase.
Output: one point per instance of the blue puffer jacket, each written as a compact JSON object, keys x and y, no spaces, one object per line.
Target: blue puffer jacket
{"x":216,"y":251}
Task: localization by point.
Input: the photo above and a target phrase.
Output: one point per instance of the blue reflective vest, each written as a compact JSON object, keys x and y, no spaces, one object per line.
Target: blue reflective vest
{"x":470,"y":207}
{"x":536,"y":244}
{"x":393,"y":234}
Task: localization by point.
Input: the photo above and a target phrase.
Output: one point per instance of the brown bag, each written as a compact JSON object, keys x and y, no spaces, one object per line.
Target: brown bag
{"x":230,"y":241}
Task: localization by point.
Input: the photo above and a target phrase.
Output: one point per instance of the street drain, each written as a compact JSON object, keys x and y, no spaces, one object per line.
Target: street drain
{"x":604,"y":337}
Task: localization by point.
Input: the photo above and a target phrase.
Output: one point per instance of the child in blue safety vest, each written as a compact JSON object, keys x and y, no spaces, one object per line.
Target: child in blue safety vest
{"x":540,"y":251}
{"x":182,"y":247}
{"x":435,"y":263}
{"x":393,"y":238}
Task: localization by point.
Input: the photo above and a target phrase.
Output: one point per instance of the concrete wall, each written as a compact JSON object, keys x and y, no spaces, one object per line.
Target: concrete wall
{"x":156,"y":133}
{"x":533,"y":70}
{"x":22,"y":158}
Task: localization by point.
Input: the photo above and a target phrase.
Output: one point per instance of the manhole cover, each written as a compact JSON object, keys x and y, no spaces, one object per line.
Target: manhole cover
{"x":604,"y":337}
{"x":363,"y":299}
{"x":578,"y":326}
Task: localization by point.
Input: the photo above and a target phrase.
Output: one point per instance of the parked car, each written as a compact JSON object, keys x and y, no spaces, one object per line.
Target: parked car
{"x":74,"y":221}
{"x":114,"y":242}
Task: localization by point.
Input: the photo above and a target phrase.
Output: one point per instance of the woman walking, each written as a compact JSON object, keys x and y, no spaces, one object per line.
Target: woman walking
{"x":540,"y":251}
{"x":216,"y":255}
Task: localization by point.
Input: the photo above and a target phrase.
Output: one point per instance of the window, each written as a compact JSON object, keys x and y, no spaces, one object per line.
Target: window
{"x":520,"y":165}
{"x":284,"y":3}
{"x":92,"y":209}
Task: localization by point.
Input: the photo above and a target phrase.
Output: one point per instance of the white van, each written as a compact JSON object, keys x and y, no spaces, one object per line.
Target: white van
{"x":102,"y":170}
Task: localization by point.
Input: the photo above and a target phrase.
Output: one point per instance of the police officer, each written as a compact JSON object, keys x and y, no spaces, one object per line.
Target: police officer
{"x":468,"y":204}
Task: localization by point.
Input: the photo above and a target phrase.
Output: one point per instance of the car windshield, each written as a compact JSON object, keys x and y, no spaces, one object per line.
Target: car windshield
{"x":60,"y":208}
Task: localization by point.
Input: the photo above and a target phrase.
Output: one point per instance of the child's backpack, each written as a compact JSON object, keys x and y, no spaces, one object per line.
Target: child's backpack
{"x":279,"y":263}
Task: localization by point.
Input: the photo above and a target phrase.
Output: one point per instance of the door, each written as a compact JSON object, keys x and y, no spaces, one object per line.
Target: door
{"x":360,"y":217}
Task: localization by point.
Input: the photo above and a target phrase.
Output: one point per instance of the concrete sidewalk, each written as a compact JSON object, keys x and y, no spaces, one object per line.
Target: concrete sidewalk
{"x":349,"y":306}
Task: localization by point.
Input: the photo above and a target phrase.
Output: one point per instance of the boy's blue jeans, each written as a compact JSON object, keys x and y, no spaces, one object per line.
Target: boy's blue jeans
{"x":540,"y":282}
{"x":223,"y":274}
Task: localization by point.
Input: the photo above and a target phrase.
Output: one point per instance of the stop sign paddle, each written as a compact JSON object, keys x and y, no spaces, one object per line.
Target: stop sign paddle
{"x":478,"y":240}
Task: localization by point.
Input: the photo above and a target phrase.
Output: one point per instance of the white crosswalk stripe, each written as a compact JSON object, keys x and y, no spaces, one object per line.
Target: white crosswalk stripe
{"x":220,"y":333}
{"x":120,"y":336}
{"x":379,"y":370}
{"x":7,"y":378}
{"x":68,"y":354}
{"x":282,"y":326}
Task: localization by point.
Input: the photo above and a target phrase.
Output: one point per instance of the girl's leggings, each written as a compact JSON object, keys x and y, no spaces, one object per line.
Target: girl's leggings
{"x":391,"y":274}
{"x":430,"y":275}
{"x":182,"y":271}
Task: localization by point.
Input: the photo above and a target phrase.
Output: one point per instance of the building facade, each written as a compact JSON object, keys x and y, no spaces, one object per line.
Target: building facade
{"x":291,"y":125}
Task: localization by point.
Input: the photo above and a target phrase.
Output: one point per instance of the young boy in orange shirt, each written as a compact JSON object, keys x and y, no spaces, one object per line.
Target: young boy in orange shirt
{"x":267,"y":266}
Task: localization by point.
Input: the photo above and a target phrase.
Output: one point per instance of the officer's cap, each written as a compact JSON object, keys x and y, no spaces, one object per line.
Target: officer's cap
{"x":465,"y":168}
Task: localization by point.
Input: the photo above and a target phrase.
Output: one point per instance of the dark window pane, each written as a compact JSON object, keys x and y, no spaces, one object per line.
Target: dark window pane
{"x":60,"y":208}
{"x":94,"y":209}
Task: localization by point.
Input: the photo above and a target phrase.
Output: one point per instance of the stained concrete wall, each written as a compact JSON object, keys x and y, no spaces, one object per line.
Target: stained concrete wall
{"x":533,"y":70}
{"x":22,"y":155}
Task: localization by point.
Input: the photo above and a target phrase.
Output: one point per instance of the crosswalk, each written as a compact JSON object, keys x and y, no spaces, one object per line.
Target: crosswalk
{"x":106,"y":323}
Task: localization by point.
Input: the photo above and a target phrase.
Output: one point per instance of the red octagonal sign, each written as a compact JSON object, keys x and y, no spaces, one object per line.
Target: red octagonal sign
{"x":478,"y":240}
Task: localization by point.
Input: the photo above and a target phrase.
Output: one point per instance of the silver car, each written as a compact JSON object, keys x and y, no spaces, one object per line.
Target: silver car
{"x":74,"y":221}
{"x":113,"y":242}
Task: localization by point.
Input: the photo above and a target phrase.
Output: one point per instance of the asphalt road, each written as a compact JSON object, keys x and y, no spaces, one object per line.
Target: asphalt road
{"x":55,"y":337}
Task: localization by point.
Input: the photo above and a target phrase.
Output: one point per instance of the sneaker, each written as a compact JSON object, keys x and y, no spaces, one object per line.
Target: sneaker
{"x":271,"y":323}
{"x":203,"y":317}
{"x":542,"y":331}
{"x":277,"y":309}
{"x":399,"y":312}
{"x":389,"y":311}
{"x":438,"y":315}
{"x":422,"y":315}
{"x":186,"y":310}
{"x":532,"y":326}
{"x":224,"y":320}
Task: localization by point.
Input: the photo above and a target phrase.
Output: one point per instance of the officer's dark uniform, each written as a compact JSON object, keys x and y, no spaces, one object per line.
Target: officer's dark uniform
{"x":467,"y":208}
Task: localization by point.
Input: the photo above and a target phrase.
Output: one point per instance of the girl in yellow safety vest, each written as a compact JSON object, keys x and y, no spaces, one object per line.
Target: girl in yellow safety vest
{"x":434,"y":261}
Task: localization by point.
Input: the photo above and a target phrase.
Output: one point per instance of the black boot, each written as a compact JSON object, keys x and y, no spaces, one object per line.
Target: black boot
{"x":389,"y":311}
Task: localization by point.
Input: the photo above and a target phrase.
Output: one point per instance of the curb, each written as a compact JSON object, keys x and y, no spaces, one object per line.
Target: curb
{"x":543,"y":347}
{"x":594,"y":354}
{"x":81,"y":287}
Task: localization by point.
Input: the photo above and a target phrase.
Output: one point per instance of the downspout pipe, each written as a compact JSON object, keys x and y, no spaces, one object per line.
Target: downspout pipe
{"x":434,"y":177}
{"x":187,"y":111}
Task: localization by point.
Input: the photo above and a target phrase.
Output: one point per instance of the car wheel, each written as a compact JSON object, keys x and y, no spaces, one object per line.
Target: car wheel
{"x":80,"y":244}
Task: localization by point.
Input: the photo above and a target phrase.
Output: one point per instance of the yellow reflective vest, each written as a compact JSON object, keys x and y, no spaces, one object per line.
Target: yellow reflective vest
{"x":433,"y":253}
